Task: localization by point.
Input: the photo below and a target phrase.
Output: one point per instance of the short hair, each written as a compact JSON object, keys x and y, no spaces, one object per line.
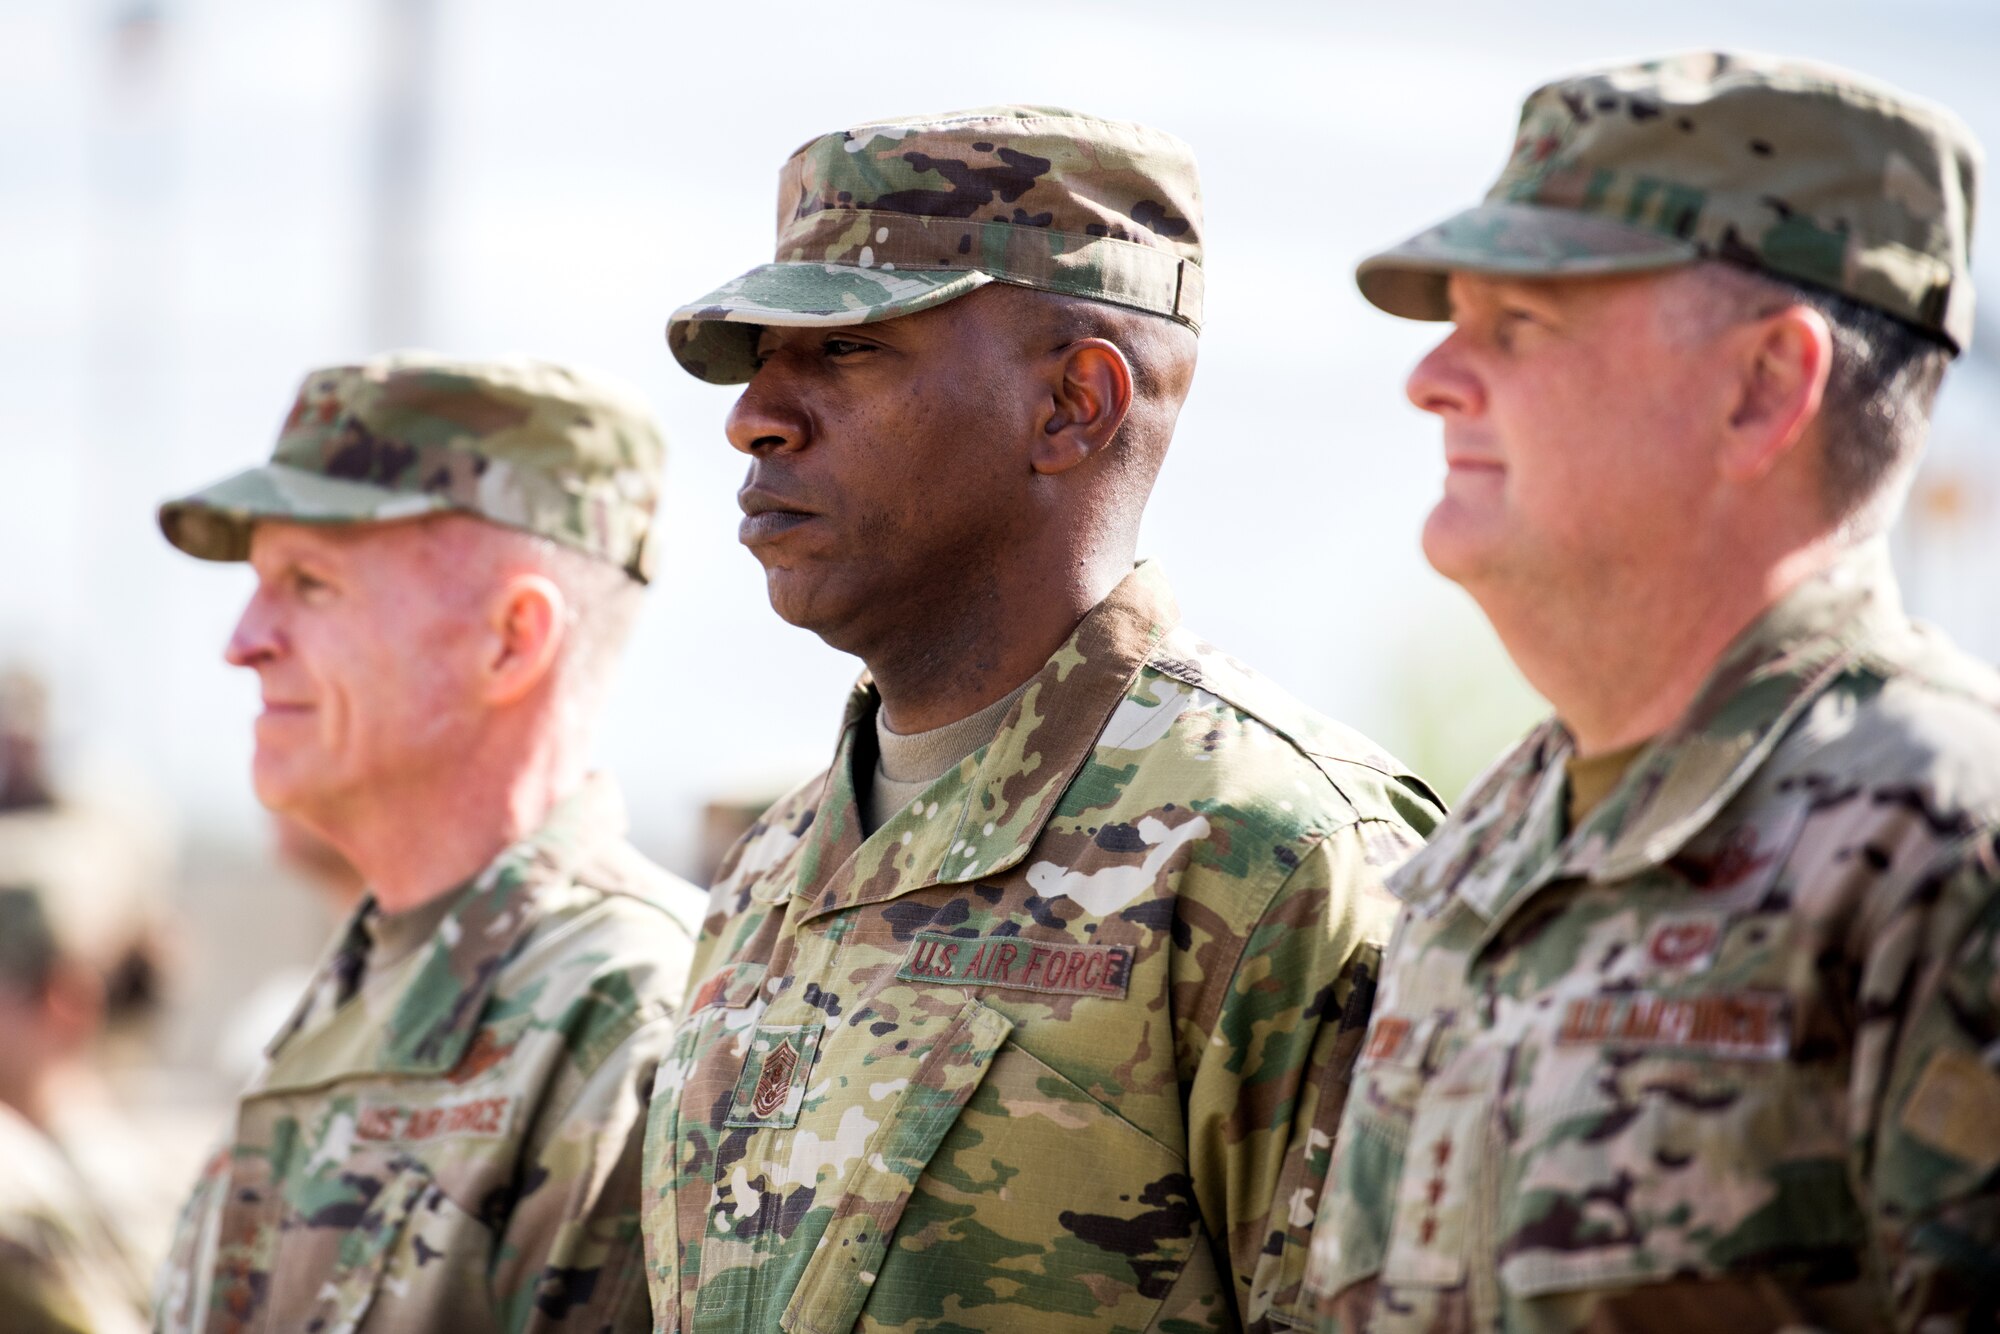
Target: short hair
{"x":601,"y":601}
{"x":1160,"y":351}
{"x":1879,"y":394}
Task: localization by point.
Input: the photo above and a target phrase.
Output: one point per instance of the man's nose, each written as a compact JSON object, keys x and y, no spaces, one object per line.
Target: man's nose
{"x":767,"y":418}
{"x":1443,"y":383}
{"x":257,"y":638}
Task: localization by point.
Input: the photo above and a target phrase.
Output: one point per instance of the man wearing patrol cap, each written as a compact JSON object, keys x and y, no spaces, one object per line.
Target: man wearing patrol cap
{"x":446,"y":1133}
{"x":1691,"y":1017}
{"x":1035,"y":1010}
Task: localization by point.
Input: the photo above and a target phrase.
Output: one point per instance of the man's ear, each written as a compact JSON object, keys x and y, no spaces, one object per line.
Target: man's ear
{"x":1091,"y":393}
{"x":1783,"y":361}
{"x":528,"y":619}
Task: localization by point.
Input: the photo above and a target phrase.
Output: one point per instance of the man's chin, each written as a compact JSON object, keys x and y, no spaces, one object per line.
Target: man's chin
{"x":284,"y":787}
{"x":1459,"y":543}
{"x":811,"y":602}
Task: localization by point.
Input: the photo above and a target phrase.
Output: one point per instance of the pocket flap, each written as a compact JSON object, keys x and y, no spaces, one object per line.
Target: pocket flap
{"x":731,"y":988}
{"x":363,"y":1248}
{"x":836,"y":1281}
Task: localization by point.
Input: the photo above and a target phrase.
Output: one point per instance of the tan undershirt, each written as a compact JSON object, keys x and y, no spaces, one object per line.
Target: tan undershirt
{"x":906,"y":765}
{"x":393,"y":937}
{"x":1592,"y":780}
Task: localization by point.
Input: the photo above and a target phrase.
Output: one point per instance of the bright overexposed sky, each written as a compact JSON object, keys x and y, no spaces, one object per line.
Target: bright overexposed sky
{"x":183,"y":232}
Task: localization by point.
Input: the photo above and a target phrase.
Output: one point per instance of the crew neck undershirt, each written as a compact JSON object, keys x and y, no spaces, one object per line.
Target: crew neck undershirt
{"x":1594,"y":778}
{"x":393,"y":937}
{"x":907,"y":764}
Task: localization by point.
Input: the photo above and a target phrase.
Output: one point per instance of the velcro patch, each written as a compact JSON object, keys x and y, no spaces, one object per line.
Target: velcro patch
{"x":1955,"y":1109}
{"x":771,"y":1088}
{"x":1026,"y":965}
{"x":1388,"y":1038}
{"x":1684,"y":943}
{"x":1749,"y":1025}
{"x":473,"y":1118}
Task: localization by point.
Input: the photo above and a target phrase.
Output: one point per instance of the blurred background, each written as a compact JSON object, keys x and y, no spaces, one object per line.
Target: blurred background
{"x":200,"y":199}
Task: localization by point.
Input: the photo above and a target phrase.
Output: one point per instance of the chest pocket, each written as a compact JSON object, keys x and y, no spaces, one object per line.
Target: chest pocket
{"x":846,"y":1264}
{"x":1665,"y":1162}
{"x":1039,"y":1192}
{"x":1358,"y":1208}
{"x":320,"y":1252}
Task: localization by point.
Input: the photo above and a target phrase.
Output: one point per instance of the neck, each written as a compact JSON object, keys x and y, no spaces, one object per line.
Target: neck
{"x":417,"y":841}
{"x":1623,"y":660}
{"x":956,"y":659}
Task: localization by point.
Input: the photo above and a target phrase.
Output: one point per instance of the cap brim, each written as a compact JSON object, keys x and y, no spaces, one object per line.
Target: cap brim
{"x":715,"y":338}
{"x":214,"y":523}
{"x":1510,"y":241}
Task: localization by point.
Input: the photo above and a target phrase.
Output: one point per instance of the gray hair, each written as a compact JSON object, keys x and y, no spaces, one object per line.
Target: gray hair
{"x":601,"y":602}
{"x":1879,"y":392}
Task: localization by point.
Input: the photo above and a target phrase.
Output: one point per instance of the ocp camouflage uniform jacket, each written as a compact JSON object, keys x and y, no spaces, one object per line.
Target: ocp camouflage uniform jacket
{"x":65,"y":1268}
{"x":1061,"y":1046}
{"x":1724,"y":1056}
{"x":455,"y":1145}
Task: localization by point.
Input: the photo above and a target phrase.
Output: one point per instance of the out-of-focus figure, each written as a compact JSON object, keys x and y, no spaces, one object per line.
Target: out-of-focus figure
{"x":77,"y":959}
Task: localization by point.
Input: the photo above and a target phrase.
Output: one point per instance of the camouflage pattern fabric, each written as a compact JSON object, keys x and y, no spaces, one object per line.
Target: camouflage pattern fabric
{"x":1722,"y":1057}
{"x":452,"y":1141}
{"x":1809,"y":173}
{"x":527,"y":444}
{"x":893,"y":217}
{"x":64,"y":1269}
{"x":1062,"y":1045}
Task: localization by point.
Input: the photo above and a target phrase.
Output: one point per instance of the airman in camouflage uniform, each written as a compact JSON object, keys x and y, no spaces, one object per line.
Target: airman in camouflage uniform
{"x":446,"y":1133}
{"x":1720,"y":1047}
{"x":66,"y":1263}
{"x":1059,"y":1043}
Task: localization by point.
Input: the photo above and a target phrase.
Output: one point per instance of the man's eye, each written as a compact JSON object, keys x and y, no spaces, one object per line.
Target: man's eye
{"x":1509,"y":323}
{"x":306,"y":585}
{"x":845,"y":347}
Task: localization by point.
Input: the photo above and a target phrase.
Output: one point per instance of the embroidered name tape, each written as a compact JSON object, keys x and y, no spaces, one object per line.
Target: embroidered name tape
{"x":1748,"y":1024}
{"x":1026,"y":965}
{"x":474,"y":1118}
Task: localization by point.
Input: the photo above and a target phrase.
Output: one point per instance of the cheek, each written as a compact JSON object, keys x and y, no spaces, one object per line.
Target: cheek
{"x":387,"y":693}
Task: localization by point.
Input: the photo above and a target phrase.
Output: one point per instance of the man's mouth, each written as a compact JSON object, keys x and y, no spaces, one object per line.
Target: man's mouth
{"x":1468,"y":461}
{"x":767,"y":517}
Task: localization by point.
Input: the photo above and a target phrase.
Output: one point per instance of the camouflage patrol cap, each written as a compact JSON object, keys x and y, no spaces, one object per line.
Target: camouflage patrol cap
{"x":1808,"y":173}
{"x":527,"y":444}
{"x":891,"y":218}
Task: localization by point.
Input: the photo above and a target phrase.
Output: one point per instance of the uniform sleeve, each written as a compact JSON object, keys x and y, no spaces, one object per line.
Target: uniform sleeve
{"x":569,"y":1255}
{"x":1273,"y":1072}
{"x":1934,"y":1179}
{"x":36,"y":1296}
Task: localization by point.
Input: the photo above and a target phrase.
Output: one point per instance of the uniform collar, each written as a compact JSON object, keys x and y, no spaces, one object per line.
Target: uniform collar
{"x":981,"y":818}
{"x":1508,"y":840}
{"x":437,"y":1013}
